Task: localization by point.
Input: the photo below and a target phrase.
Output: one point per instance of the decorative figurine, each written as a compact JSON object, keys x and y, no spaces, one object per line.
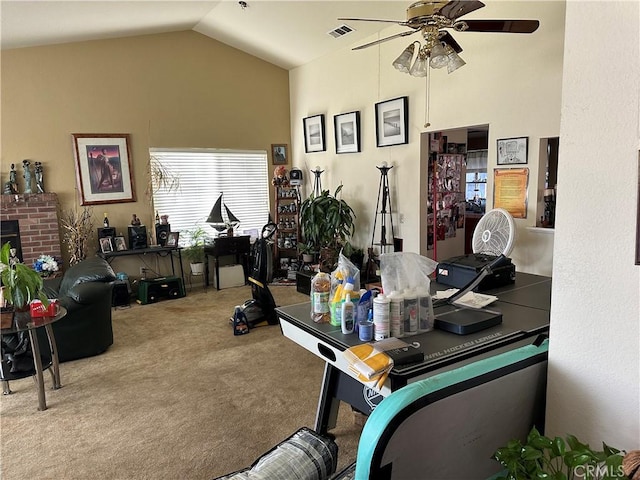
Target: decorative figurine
{"x":135,"y":220}
{"x":27,"y":176}
{"x":39,"y":178}
{"x":11,"y":187}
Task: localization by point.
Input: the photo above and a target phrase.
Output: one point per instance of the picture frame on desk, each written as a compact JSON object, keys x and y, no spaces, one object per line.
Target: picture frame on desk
{"x":172,"y":239}
{"x":119,"y":244}
{"x":105,"y":245}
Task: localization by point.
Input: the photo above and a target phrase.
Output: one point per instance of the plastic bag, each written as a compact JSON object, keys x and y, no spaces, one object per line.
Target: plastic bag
{"x":345,"y":278}
{"x":401,"y":270}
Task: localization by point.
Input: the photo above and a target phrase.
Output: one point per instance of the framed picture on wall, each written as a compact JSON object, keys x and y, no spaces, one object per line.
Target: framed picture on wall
{"x":314,"y":134}
{"x":347,"y":132}
{"x":103,"y":168}
{"x":513,"y":151}
{"x":279,"y":154}
{"x":392,"y":118}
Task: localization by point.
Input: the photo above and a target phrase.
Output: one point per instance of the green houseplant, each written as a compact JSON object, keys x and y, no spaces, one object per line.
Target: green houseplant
{"x":20,"y":284}
{"x":194,"y":252}
{"x":557,"y":459}
{"x":327,"y":222}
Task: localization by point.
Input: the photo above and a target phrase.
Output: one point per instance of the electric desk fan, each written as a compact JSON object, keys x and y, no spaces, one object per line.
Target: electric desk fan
{"x":494,"y":236}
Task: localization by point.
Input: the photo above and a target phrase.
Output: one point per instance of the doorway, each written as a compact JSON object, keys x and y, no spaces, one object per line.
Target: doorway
{"x":453,"y":189}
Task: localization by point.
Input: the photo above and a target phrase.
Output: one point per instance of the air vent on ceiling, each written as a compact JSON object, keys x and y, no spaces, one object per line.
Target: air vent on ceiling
{"x":340,"y":31}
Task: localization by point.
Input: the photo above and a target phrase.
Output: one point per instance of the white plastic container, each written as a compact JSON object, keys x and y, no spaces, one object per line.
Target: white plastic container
{"x":348,"y":315}
{"x":396,"y":314}
{"x":425,"y":310}
{"x":380,"y":317}
{"x":410,"y":312}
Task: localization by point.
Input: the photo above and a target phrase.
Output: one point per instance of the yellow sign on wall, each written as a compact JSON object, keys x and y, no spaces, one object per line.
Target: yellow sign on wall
{"x":510,"y":190}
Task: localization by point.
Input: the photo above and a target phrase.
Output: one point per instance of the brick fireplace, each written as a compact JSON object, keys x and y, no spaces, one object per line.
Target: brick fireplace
{"x":37,"y":216}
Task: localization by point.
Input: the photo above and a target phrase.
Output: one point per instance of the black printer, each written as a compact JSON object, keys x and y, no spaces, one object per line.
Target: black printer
{"x":459,"y":271}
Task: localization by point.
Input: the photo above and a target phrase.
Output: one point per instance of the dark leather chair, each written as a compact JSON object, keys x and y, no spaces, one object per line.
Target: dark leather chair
{"x":85,"y":291}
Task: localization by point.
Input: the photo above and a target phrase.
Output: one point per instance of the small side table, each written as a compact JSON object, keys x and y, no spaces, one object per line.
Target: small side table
{"x":23,"y":321}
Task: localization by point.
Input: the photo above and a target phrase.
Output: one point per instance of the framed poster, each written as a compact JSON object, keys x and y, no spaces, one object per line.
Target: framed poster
{"x":347,"y":132}
{"x":510,"y":190}
{"x":103,"y":168}
{"x":279,"y":154}
{"x":513,"y":151}
{"x":392,"y":117}
{"x":314,"y":134}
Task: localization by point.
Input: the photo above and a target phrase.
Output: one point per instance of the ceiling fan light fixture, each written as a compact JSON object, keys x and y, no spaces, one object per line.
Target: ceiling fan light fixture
{"x":455,"y":62}
{"x":403,"y":62}
{"x":420,"y":66}
{"x":439,"y":57}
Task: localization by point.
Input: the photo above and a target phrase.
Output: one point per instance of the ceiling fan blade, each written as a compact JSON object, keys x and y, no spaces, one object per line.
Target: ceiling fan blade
{"x":448,"y":38}
{"x":397,"y":35}
{"x":508,"y":26}
{"x":458,"y":8}
{"x":399,"y":22}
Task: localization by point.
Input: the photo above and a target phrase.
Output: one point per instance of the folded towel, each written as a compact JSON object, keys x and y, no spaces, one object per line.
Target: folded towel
{"x":369,"y":363}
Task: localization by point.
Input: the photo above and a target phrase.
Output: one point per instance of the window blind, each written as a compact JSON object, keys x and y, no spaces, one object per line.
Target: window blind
{"x":241,"y":176}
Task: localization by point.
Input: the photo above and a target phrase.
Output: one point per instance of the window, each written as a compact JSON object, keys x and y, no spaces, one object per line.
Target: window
{"x":203,"y":175}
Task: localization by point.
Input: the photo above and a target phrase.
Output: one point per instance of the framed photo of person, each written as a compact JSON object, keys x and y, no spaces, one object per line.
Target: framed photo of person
{"x":172,"y":239}
{"x":279,"y":154}
{"x":103,"y":168}
{"x":105,"y":245}
{"x":314,"y":134}
{"x":347,"y":132}
{"x":119,"y":244}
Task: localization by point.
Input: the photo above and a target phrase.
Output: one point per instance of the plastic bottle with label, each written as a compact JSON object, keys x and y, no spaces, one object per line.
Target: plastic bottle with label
{"x":320,"y":291}
{"x":410,"y":312}
{"x":425,"y":310}
{"x":348,"y":313}
{"x":380,"y":317}
{"x":396,"y":314}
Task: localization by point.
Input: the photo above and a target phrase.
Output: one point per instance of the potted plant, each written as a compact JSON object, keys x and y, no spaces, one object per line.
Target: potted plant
{"x":543,"y":457}
{"x":308,"y":252}
{"x":355,"y":254}
{"x":20,"y":285}
{"x":327,"y":222}
{"x":194,"y":252}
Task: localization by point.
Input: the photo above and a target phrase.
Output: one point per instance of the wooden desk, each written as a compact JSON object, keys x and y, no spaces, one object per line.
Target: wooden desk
{"x":239,"y":246}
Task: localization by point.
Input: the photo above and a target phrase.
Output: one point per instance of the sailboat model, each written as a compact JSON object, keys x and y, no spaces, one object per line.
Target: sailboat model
{"x":216,"y":219}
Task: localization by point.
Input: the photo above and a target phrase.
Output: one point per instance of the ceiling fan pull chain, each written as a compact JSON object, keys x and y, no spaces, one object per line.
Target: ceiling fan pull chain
{"x":426,"y":96}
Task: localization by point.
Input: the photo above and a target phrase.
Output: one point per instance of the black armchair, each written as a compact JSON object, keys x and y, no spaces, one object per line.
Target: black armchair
{"x":85,"y":291}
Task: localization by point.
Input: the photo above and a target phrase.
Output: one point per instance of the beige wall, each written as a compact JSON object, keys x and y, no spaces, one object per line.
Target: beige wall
{"x":510,"y":82}
{"x":170,"y":90}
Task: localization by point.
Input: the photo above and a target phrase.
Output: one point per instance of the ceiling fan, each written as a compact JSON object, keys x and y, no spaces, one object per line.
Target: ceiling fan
{"x":431,"y":18}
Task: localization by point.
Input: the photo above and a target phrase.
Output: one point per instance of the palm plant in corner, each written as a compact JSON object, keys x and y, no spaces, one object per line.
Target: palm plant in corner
{"x":20,"y":285}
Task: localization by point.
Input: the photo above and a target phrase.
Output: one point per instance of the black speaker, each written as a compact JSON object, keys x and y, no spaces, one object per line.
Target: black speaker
{"x":162,"y":232}
{"x":106,"y":232}
{"x":137,"y":237}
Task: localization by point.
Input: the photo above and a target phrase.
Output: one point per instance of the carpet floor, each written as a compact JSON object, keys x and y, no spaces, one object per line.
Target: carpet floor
{"x":177,"y":396}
